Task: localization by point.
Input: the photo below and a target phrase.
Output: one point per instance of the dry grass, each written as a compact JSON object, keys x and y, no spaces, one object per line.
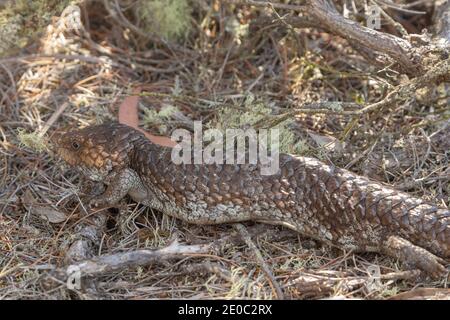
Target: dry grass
{"x":90,"y":69}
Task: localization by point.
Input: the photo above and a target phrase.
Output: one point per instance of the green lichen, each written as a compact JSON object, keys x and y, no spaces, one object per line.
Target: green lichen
{"x":31,"y":140}
{"x":21,"y":21}
{"x":247,"y":116}
{"x":170,"y":19}
{"x":157,"y":117}
{"x":9,"y":33}
{"x":239,"y":117}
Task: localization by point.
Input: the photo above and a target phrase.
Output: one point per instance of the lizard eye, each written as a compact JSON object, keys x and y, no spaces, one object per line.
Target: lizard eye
{"x":75,"y":145}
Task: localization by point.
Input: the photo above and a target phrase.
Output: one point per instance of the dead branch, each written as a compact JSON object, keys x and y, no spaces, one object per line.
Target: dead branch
{"x":401,"y":93}
{"x":400,"y":50}
{"x":322,"y":13}
{"x":110,"y":263}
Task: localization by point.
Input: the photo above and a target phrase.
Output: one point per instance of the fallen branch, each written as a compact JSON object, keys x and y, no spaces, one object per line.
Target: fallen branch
{"x":401,"y":93}
{"x":412,"y":59}
{"x":74,"y":273}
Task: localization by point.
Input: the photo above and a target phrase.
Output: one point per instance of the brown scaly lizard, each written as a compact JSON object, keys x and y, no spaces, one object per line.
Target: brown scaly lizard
{"x":320,"y":201}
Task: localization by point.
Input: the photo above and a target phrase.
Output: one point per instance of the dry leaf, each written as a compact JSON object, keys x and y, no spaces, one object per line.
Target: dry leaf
{"x":49,"y":214}
{"x":128,"y":114}
{"x":128,"y":110}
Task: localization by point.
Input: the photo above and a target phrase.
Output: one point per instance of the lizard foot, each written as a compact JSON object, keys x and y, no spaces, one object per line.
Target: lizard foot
{"x":415,"y":256}
{"x":99,"y":201}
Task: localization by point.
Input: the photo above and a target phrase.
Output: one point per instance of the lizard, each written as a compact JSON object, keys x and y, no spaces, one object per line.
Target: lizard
{"x":324,"y":202}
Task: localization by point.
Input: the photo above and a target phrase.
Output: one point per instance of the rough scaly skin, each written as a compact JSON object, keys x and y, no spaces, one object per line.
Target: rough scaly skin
{"x":320,"y":201}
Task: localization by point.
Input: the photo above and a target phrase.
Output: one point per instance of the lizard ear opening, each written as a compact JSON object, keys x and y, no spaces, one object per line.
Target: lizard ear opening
{"x":75,"y":145}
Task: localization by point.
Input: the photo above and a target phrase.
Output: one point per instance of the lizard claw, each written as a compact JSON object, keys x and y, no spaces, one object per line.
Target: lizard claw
{"x":96,"y":202}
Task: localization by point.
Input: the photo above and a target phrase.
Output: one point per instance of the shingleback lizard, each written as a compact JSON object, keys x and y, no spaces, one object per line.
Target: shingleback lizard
{"x":317,"y":200}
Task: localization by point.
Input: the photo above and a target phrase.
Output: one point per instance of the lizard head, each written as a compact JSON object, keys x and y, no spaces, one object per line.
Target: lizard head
{"x":96,"y":150}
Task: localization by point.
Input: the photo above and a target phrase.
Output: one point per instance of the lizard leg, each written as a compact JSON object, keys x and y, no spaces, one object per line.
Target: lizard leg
{"x":414,"y":256}
{"x":118,"y":187}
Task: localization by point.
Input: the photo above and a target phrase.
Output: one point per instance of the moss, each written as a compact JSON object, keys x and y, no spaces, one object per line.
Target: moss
{"x":22,"y":20}
{"x":159,"y":118}
{"x":231,"y":117}
{"x":389,"y":292}
{"x":171,"y":19}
